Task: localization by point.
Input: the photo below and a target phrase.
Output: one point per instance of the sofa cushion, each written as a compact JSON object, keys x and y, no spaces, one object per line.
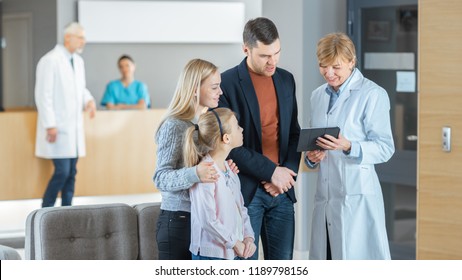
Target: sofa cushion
{"x":86,"y":232}
{"x":8,"y":253}
{"x":147,"y":228}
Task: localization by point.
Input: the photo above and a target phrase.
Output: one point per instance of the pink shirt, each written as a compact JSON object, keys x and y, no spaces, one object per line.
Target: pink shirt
{"x":218,"y":216}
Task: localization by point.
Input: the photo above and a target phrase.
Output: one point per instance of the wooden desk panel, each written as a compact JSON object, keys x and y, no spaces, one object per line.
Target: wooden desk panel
{"x":121,"y":155}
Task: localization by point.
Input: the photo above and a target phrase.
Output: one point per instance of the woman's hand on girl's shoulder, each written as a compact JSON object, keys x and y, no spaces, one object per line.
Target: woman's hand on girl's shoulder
{"x":233,"y":166}
{"x":207,"y":172}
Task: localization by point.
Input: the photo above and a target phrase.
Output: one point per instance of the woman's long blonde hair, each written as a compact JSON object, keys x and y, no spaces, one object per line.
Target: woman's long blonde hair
{"x":210,"y":129}
{"x":187,"y":94}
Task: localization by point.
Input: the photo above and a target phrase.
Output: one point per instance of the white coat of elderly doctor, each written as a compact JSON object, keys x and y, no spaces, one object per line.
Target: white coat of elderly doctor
{"x":349,"y":217}
{"x":61,"y":96}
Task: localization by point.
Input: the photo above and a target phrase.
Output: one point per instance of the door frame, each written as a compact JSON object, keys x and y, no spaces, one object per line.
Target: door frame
{"x":27,"y":17}
{"x":392,"y":171}
{"x":354,"y":24}
{"x":401,"y":169}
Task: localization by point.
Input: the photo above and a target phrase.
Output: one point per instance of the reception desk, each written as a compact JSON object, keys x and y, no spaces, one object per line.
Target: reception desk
{"x":121,"y":155}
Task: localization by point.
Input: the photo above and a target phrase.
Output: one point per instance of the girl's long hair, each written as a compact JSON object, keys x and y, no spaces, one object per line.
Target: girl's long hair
{"x":209,"y":135}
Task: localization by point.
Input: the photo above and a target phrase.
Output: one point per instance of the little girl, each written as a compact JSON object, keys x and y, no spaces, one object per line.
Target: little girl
{"x":220,"y":226}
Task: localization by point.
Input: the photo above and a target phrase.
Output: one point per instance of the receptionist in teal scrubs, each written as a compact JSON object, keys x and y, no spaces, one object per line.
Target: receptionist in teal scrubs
{"x":126,"y":92}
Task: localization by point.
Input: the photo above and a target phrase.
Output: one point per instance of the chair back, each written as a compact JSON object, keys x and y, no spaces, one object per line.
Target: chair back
{"x":84,"y":232}
{"x":147,"y":228}
{"x":8,"y":253}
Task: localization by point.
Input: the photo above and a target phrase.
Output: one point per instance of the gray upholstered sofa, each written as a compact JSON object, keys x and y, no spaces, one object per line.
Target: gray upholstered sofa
{"x":8,"y":253}
{"x":147,"y":214}
{"x":93,"y":232}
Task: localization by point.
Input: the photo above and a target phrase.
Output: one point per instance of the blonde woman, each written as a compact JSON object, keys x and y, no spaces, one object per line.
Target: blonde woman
{"x":197,"y":90}
{"x":220,"y":225}
{"x":349,"y":216}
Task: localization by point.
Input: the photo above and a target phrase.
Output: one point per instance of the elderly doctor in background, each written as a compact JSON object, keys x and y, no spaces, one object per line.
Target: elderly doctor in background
{"x":61,"y":96}
{"x":349,"y":217}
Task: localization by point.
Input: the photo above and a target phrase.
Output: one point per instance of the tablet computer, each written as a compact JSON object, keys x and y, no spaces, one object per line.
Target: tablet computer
{"x":308,"y":136}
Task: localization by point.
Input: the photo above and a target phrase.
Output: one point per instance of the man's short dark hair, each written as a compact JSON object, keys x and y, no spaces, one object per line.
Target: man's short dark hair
{"x":260,"y":29}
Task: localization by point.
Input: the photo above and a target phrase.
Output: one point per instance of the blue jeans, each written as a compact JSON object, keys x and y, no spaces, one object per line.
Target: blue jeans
{"x":63,"y":180}
{"x":273,"y":218}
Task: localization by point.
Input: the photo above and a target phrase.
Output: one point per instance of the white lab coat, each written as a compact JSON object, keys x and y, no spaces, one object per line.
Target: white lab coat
{"x":60,"y":96}
{"x":348,"y":196}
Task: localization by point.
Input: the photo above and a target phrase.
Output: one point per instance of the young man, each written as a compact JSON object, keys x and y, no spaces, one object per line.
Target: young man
{"x":263,"y":96}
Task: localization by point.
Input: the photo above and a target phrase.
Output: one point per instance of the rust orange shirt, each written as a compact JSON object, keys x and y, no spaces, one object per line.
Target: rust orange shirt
{"x":269,"y":115}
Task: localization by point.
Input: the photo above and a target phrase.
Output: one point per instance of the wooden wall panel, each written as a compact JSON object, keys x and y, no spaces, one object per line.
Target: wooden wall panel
{"x":22,"y":175}
{"x":442,"y":208}
{"x":121,"y":155}
{"x":439,"y":174}
{"x":441,"y":241}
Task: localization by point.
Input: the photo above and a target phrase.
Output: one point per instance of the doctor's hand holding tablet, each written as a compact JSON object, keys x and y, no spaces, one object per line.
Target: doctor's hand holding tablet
{"x":315,"y":141}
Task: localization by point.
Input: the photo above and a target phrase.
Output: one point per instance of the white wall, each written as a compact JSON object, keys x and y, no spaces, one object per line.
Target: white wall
{"x":158,"y":65}
{"x":301,"y":25}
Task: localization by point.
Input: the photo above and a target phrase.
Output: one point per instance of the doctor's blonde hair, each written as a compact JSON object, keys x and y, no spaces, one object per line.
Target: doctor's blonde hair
{"x":335,"y":46}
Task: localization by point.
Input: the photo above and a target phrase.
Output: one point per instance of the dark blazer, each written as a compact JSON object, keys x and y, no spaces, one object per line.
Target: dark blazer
{"x":239,"y":95}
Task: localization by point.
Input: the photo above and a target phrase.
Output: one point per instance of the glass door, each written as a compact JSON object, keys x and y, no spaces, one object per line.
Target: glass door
{"x":385,"y":35}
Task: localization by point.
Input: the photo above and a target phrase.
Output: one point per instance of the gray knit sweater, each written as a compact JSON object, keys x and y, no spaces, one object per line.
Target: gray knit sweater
{"x":171,"y":178}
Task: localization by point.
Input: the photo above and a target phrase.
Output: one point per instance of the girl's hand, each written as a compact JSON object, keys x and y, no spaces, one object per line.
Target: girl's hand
{"x":239,"y":248}
{"x":250,"y":247}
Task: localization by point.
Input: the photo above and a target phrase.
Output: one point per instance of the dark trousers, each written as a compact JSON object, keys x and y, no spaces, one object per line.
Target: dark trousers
{"x":62,"y":180}
{"x":174,"y":235}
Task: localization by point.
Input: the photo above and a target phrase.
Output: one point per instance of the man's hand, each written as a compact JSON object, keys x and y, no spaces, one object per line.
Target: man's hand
{"x":52,"y":134}
{"x":283,"y":178}
{"x":274,"y":190}
{"x":90,"y":107}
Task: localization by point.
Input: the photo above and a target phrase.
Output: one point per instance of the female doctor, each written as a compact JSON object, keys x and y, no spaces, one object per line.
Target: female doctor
{"x":349,"y":217}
